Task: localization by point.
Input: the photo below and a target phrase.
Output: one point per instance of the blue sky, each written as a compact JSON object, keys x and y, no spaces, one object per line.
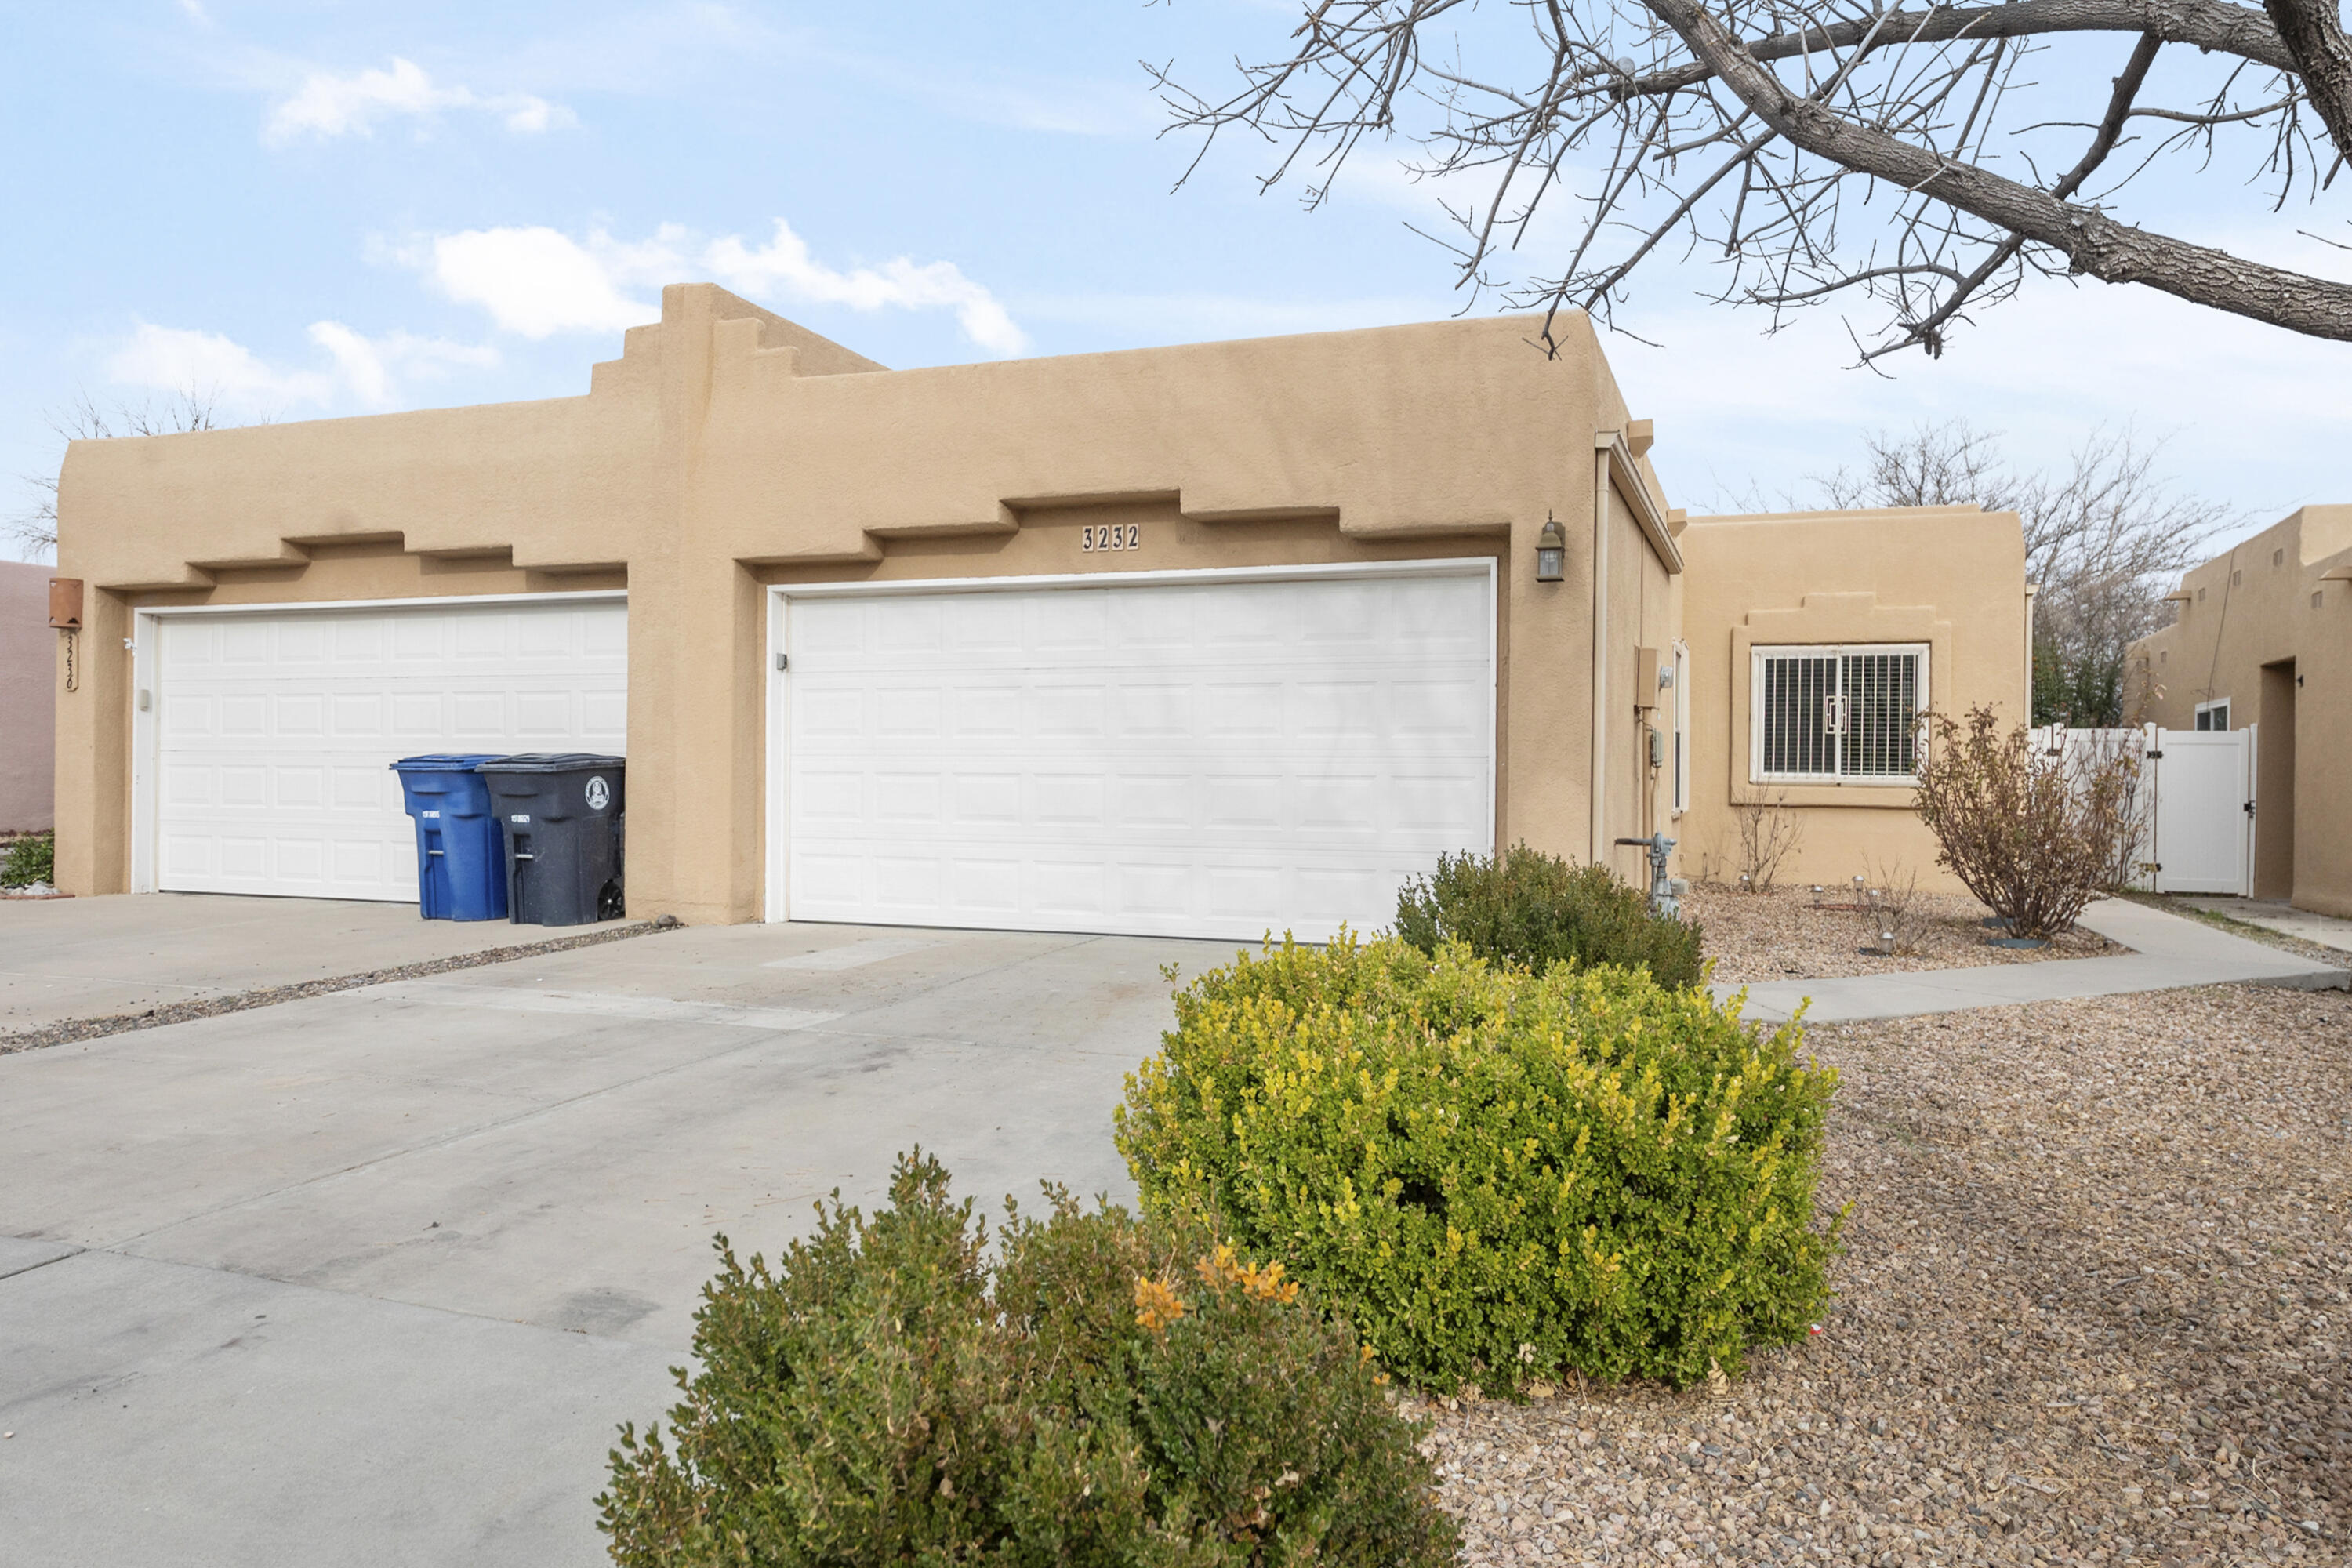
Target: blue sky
{"x":319,"y":208}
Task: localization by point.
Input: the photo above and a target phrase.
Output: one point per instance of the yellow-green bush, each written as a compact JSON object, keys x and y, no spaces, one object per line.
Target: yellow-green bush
{"x":1528,"y":908}
{"x":1495,"y":1176}
{"x":1121,"y":1394}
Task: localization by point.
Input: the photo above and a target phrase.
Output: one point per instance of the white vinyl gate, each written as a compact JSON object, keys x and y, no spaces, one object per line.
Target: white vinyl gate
{"x":2198,"y":800}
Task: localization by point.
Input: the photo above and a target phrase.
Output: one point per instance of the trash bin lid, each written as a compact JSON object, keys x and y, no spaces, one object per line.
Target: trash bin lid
{"x":443,"y":763}
{"x":548,"y":762}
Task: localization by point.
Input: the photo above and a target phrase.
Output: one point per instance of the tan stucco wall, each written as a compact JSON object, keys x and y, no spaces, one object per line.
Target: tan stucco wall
{"x":728,"y":448}
{"x":1953,"y":578}
{"x":28,"y":682}
{"x":2264,"y":627}
{"x":1645,"y":607}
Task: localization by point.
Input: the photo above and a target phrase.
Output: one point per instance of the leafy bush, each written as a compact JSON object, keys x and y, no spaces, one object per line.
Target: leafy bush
{"x":1536,"y":910}
{"x":1126,"y":1394}
{"x":1493,"y":1175}
{"x":30,"y":859}
{"x":2035,"y":835}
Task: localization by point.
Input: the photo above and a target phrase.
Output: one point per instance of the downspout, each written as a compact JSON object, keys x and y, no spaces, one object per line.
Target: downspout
{"x":1600,"y":716}
{"x":2032,"y":589}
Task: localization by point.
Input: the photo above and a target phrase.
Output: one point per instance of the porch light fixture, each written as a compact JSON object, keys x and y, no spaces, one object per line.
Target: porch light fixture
{"x":1551,"y":552}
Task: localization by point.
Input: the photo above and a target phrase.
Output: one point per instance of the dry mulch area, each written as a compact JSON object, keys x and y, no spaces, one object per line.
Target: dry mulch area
{"x":77,"y":1029}
{"x":1791,"y":932}
{"x":2091,"y":1308}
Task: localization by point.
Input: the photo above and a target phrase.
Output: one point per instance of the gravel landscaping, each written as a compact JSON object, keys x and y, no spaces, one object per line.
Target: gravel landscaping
{"x":2091,"y":1310}
{"x":1795,"y":932}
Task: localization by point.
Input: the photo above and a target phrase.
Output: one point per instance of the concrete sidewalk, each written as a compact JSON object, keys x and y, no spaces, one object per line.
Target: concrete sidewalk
{"x":85,"y":958}
{"x":2168,"y":952}
{"x":2278,"y":915}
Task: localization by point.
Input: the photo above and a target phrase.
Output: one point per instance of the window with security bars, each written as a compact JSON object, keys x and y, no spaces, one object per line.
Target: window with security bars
{"x":1837,"y":715}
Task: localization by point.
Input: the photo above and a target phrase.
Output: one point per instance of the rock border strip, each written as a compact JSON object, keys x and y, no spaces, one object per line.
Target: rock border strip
{"x":74,"y":1030}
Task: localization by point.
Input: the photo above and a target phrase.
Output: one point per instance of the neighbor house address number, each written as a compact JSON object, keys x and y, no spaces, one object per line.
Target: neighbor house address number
{"x":1112,"y":536}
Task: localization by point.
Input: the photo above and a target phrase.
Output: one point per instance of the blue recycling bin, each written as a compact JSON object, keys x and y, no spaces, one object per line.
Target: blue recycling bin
{"x":461,"y":857}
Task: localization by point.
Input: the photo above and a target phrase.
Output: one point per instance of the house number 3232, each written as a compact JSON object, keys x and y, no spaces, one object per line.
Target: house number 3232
{"x":1112,"y":536}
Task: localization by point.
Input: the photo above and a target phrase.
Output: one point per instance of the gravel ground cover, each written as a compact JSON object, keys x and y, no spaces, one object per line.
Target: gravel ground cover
{"x":1789,"y":931}
{"x":2092,"y":1310}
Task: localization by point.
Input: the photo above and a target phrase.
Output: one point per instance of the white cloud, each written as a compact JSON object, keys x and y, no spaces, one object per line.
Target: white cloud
{"x":784,"y":266}
{"x":327,"y":105}
{"x":539,"y":281}
{"x":193,"y":10}
{"x":1196,"y":316}
{"x":373,"y":368}
{"x":361,"y":372}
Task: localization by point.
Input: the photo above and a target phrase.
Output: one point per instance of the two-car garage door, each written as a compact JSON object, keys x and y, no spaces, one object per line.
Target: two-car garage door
{"x":1217,"y":756}
{"x":274,"y":730}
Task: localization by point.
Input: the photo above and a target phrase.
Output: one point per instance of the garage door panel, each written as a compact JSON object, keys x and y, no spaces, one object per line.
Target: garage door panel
{"x":909,"y":712}
{"x":277,"y":730}
{"x":987,"y":710}
{"x":604,"y":716}
{"x":184,"y":854}
{"x":243,"y":642}
{"x":1156,"y":624}
{"x":242,"y":715}
{"x":1228,"y":758}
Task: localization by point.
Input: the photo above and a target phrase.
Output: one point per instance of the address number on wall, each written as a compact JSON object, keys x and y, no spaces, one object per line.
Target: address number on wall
{"x":1112,"y":536}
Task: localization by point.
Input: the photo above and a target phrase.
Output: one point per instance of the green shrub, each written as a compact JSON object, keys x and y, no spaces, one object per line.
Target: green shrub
{"x":1536,"y":910}
{"x":32,"y":858}
{"x":1119,"y":1397}
{"x":1496,"y":1176}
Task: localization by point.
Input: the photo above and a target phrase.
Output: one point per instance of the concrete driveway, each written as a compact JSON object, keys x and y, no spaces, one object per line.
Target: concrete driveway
{"x":371,"y":1278}
{"x":85,"y":958}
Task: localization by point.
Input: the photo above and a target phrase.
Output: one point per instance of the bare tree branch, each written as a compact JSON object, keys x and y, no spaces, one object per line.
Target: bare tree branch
{"x":1824,"y":149}
{"x":1928,"y":333}
{"x":85,"y":420}
{"x":2089,"y":240}
{"x":2314,"y":35}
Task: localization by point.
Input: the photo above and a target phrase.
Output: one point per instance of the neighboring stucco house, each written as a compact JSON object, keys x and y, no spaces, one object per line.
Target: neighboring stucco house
{"x":2263,"y":636}
{"x":1870,"y":616}
{"x":1205,"y":640}
{"x":27,"y":700}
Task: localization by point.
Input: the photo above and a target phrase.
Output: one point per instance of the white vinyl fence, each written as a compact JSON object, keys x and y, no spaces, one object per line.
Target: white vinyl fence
{"x":2197,"y":802}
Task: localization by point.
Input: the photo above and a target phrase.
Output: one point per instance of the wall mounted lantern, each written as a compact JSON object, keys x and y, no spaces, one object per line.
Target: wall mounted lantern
{"x":1551,"y":552}
{"x":64,"y":615}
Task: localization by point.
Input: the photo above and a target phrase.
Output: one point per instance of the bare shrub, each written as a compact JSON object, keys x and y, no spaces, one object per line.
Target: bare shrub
{"x":1768,"y":834}
{"x":2035,"y":835}
{"x":1891,"y":905}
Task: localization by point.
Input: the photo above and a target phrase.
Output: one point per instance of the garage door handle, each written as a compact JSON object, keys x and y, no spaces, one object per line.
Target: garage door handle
{"x":433,"y":852}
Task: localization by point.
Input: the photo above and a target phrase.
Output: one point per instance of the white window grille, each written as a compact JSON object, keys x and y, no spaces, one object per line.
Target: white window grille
{"x":1837,"y":715}
{"x":2213,"y":715}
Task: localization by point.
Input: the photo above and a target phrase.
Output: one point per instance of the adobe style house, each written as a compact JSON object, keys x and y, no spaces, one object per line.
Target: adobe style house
{"x":1207,"y":640}
{"x":2262,"y":638}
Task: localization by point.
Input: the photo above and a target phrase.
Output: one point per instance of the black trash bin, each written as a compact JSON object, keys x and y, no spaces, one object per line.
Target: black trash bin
{"x":561,"y":813}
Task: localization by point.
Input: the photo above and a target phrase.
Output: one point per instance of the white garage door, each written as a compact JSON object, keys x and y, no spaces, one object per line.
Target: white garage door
{"x":1217,"y":757}
{"x":275,"y":733}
